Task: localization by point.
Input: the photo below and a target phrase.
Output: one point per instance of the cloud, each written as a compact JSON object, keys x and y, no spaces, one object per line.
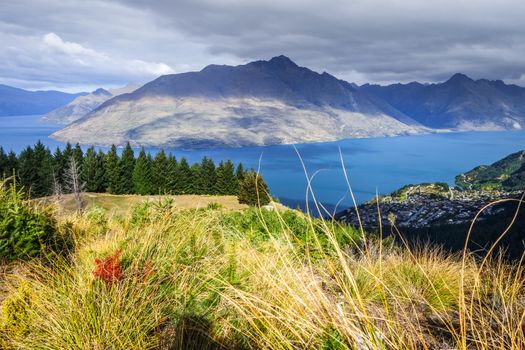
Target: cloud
{"x":51,"y":62}
{"x":368,"y":40}
{"x":77,"y":53}
{"x":54,"y":42}
{"x":110,"y":42}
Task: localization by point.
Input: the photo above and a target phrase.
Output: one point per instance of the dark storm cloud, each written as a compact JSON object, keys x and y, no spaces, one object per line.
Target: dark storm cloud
{"x":364,"y":40}
{"x":360,"y":40}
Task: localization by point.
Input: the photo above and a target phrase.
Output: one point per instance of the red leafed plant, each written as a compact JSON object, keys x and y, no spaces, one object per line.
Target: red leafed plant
{"x":109,"y":269}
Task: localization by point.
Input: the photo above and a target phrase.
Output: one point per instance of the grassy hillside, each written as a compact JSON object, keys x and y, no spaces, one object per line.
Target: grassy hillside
{"x":506,"y":174}
{"x":161,"y":277}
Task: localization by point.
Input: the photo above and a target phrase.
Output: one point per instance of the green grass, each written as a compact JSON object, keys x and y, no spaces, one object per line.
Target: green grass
{"x":210,"y":278}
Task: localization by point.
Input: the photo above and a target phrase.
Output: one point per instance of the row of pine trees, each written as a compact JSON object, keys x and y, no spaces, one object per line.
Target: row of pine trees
{"x":41,"y":171}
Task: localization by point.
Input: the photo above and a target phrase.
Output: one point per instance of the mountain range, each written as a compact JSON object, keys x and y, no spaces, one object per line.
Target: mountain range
{"x":459,"y":103}
{"x":15,"y":101}
{"x":259,"y":103}
{"x":279,"y":102}
{"x":84,"y":104}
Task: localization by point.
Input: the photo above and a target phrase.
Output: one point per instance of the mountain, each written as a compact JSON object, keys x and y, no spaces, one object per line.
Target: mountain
{"x":259,"y":103}
{"x":506,"y":174}
{"x":460,"y":103}
{"x":15,"y":101}
{"x":82,"y":105}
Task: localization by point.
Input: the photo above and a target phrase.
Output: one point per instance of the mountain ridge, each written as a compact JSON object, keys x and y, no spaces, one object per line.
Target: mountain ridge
{"x":83,"y":105}
{"x":16,"y":101}
{"x":460,"y":103}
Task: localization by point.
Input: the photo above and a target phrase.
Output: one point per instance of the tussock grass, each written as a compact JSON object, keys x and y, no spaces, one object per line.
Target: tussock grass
{"x":213,"y":279}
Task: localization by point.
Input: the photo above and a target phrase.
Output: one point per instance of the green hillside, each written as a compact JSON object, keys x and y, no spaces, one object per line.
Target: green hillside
{"x":506,"y":174}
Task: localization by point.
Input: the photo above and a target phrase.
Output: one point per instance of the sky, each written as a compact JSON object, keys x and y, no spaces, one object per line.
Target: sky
{"x":77,"y":45}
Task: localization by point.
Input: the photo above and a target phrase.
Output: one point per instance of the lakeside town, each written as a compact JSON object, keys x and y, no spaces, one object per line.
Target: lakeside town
{"x":426,"y":205}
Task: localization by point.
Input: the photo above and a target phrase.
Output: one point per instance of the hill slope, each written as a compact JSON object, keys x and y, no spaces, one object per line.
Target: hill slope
{"x":507,"y":174}
{"x":82,"y":105}
{"x":459,"y":103}
{"x":15,"y":101}
{"x":260,"y":103}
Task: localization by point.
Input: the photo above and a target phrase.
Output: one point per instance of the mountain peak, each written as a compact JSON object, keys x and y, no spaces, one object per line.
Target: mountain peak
{"x":460,"y":77}
{"x":282,"y":61}
{"x":101,"y":92}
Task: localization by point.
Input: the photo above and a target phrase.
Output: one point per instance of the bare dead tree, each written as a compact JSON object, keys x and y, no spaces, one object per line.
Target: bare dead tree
{"x":74,"y":184}
{"x":57,"y":188}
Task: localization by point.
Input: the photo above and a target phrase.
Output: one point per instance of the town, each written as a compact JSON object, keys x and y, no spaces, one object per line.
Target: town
{"x":425,"y":205}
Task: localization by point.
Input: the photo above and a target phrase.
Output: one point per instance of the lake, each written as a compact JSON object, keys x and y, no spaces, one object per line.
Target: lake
{"x":378,"y":164}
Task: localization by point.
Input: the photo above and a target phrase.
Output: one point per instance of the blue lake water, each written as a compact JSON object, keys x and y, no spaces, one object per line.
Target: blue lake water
{"x":378,"y":164}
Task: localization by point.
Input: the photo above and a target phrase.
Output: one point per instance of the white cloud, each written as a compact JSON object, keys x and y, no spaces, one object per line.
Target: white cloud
{"x":54,"y":42}
{"x":50,"y":61}
{"x":98,"y":60}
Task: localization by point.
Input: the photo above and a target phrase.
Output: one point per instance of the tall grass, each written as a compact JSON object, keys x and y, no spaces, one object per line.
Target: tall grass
{"x":212,"y":279}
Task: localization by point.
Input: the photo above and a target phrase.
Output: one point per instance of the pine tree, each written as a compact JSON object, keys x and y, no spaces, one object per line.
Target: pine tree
{"x":78,"y":154}
{"x":185,"y":177}
{"x":26,"y":169}
{"x":196,"y":183}
{"x":208,"y":176}
{"x":173,"y":175}
{"x":226,"y":180}
{"x":253,"y":190}
{"x":142,"y":174}
{"x":11,"y":164}
{"x":239,"y":173}
{"x":160,"y":173}
{"x":58,"y":169}
{"x":93,"y":171}
{"x":43,"y":171}
{"x":127,"y":164}
{"x":100,"y":173}
{"x":112,"y":170}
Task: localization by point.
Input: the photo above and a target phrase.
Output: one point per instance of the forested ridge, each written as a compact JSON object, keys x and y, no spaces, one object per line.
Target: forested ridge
{"x":43,"y":172}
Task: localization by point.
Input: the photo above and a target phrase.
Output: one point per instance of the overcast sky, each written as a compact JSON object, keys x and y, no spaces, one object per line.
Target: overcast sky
{"x":78,"y":45}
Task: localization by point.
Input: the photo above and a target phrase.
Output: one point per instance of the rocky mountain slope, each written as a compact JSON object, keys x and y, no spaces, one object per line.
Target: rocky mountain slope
{"x":460,"y":103}
{"x":260,"y":103}
{"x":82,"y":105}
{"x":15,"y":101}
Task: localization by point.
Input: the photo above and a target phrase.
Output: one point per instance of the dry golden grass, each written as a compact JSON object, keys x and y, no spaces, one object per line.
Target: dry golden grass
{"x":215,"y":288}
{"x":121,"y":204}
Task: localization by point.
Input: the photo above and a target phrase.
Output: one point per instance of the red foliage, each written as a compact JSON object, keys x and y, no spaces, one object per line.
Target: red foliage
{"x":109,"y":269}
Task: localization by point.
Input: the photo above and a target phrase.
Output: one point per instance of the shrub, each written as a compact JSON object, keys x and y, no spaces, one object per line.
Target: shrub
{"x":148,"y":212}
{"x":214,"y":206}
{"x":253,"y":190}
{"x":26,"y":230}
{"x":98,"y":218}
{"x":258,"y":225}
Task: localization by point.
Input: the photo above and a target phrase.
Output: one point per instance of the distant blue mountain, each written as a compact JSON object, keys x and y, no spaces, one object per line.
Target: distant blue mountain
{"x":458,"y":103}
{"x":15,"y":101}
